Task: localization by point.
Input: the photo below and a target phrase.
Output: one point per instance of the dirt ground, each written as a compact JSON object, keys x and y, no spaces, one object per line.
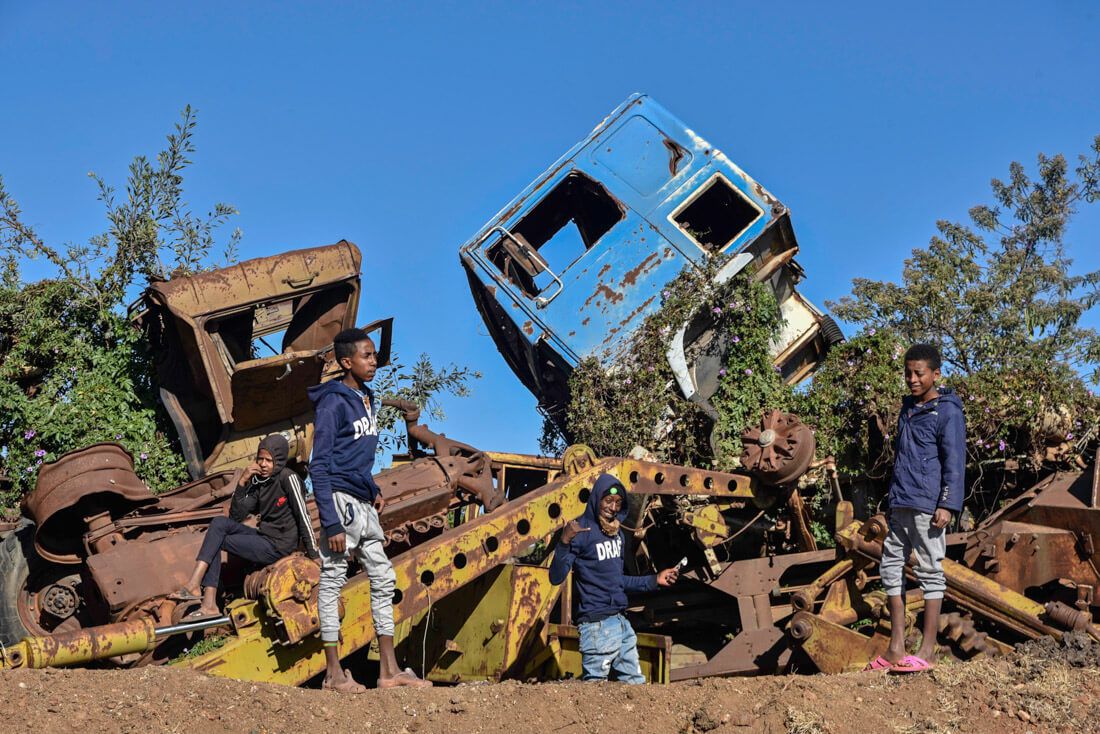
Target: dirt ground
{"x":1037,"y":689}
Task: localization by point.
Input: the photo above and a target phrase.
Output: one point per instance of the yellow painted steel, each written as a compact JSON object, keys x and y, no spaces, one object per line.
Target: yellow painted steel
{"x":481,"y":631}
{"x":433,"y":569}
{"x":82,"y":646}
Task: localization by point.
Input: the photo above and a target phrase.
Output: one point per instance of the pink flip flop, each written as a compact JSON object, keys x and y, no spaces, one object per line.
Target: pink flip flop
{"x":879,"y":663}
{"x":911,"y":664}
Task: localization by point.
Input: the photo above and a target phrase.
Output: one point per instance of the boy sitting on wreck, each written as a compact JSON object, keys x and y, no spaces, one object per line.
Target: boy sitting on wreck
{"x":592,"y":545}
{"x":268,"y":489}
{"x":926,"y":488}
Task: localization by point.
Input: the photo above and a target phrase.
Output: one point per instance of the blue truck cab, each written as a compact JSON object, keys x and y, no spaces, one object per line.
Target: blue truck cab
{"x":573,"y":265}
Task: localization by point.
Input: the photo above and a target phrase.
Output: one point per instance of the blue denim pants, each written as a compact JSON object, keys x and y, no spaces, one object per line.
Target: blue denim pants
{"x":610,"y":647}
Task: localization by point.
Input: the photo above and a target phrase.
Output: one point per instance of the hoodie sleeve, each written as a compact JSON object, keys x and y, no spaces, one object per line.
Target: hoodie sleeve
{"x":635,"y":584}
{"x":951,"y":440}
{"x":244,"y":502}
{"x":320,"y":466}
{"x":564,"y":555}
{"x":298,"y":503}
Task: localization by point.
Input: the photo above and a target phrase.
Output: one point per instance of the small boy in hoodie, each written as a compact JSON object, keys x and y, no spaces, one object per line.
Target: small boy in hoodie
{"x":265,"y":488}
{"x":349,"y":501}
{"x":926,"y":489}
{"x":592,"y":545}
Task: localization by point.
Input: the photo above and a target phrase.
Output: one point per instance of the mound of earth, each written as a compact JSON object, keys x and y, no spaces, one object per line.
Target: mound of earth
{"x":1021,"y":692}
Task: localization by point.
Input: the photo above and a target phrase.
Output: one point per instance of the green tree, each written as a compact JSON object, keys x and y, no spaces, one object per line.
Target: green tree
{"x":73,"y":371}
{"x":999,"y":296}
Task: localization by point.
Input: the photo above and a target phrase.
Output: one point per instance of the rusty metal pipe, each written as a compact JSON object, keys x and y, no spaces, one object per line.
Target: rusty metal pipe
{"x":803,"y":600}
{"x":97,"y":643}
{"x":86,"y":645}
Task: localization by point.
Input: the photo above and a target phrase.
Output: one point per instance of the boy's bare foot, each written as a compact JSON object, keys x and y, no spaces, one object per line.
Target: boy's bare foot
{"x":344,"y":684}
{"x":405,"y":678}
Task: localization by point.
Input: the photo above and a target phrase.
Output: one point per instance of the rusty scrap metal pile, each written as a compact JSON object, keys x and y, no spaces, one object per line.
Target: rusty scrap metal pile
{"x":89,"y":574}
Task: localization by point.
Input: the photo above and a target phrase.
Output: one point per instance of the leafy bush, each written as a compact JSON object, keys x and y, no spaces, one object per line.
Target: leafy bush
{"x":73,"y":371}
{"x":637,"y":403}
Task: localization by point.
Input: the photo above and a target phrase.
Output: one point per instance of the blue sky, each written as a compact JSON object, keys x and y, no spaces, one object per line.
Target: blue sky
{"x":404,"y":127}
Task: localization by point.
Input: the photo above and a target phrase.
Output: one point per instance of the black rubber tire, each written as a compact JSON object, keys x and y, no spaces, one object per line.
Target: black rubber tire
{"x":830,"y":332}
{"x":17,"y":553}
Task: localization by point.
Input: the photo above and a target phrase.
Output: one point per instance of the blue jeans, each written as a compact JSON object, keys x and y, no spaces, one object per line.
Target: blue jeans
{"x":610,"y":646}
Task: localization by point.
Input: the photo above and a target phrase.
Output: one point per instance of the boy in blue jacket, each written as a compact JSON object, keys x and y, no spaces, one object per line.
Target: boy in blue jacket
{"x":348,"y":500}
{"x":926,"y":489}
{"x":592,"y":546}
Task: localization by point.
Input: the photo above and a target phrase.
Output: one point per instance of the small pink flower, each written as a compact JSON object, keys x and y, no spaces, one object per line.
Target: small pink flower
{"x":871,"y":332}
{"x":722,"y":372}
{"x":716,"y":311}
{"x":28,"y":435}
{"x":144,"y":456}
{"x":40,"y":453}
{"x":736,"y":339}
{"x":1069,"y":436}
{"x":1001,"y":445}
{"x":748,"y":371}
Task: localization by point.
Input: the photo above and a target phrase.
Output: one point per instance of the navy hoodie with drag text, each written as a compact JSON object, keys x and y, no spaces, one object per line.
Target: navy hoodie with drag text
{"x":345,"y":437}
{"x":597,"y":561}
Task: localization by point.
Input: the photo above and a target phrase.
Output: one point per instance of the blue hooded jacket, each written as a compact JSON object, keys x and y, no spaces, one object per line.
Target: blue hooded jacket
{"x":597,"y":561}
{"x":345,"y":437}
{"x":930,"y":461}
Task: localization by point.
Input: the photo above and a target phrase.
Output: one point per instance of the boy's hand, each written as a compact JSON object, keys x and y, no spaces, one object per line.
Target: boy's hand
{"x":250,"y":471}
{"x":570,"y":531}
{"x":379,"y":504}
{"x":668,"y":577}
{"x":337,"y":543}
{"x":941,"y":518}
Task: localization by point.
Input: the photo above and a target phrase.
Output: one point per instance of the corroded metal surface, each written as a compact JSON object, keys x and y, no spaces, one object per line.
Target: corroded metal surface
{"x":288,"y":588}
{"x":99,"y":477}
{"x":207,"y":330}
{"x":779,"y":450}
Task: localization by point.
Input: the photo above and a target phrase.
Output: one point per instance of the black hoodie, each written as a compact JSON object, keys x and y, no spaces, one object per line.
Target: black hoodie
{"x":279,"y":501}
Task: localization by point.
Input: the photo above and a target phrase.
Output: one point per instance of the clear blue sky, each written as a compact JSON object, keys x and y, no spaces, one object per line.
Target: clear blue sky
{"x":403,"y":127}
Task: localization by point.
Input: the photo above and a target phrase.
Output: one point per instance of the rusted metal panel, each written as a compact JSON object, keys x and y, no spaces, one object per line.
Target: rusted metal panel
{"x":260,"y":279}
{"x":122,"y":573}
{"x":101,"y":475}
{"x":208,"y":329}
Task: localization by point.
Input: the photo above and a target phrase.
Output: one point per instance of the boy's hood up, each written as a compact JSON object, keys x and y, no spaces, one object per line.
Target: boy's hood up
{"x":603,"y":483}
{"x":276,"y":445}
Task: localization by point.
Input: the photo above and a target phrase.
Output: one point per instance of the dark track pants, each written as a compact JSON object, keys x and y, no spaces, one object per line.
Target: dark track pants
{"x":240,"y":540}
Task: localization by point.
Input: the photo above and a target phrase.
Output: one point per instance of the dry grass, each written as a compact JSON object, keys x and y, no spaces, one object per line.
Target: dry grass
{"x":800,"y":721}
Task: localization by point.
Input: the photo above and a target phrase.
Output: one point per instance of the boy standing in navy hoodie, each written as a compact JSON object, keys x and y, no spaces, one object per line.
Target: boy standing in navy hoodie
{"x":926,"y":489}
{"x":592,"y":545}
{"x":348,"y":500}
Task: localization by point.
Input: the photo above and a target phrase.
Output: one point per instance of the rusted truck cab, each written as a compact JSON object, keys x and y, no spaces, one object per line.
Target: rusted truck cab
{"x":573,"y":265}
{"x":236,"y":349}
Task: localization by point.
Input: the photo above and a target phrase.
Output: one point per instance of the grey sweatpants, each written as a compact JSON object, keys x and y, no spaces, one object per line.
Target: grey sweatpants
{"x":911,"y":531}
{"x":364,"y":538}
